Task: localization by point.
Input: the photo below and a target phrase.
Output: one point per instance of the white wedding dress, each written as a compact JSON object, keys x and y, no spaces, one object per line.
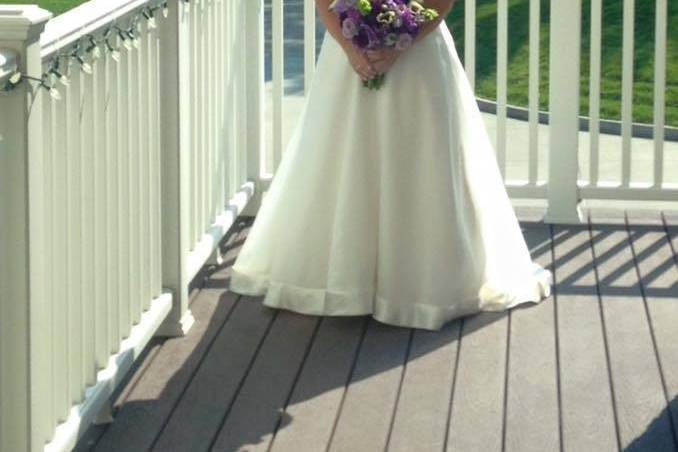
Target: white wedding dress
{"x":389,"y":202}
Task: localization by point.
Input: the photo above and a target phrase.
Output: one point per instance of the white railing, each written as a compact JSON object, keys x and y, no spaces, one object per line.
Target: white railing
{"x":115,"y":195}
{"x":218,"y":93}
{"x":120,"y":171}
{"x":653,"y":185}
{"x":563,"y":184}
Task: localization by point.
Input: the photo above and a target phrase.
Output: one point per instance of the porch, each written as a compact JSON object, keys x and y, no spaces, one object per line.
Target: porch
{"x":592,"y":368}
{"x":137,"y":139}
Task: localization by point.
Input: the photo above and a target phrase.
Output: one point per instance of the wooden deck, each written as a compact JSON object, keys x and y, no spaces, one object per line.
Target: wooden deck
{"x":593,"y":368}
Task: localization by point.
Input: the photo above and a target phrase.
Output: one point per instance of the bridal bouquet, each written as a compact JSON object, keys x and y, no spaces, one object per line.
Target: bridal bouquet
{"x":380,"y":24}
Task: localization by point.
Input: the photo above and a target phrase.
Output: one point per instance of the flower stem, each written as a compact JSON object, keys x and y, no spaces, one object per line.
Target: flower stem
{"x":375,"y":83}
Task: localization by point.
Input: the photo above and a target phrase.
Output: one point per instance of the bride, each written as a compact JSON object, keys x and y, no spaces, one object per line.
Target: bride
{"x":389,"y":202}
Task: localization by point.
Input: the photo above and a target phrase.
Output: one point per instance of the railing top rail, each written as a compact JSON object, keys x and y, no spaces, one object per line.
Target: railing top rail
{"x":8,"y":65}
{"x":82,"y":20}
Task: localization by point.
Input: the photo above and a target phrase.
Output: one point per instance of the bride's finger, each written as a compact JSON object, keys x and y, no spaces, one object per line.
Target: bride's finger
{"x":382,"y":66}
{"x":376,"y":57}
{"x":373,"y":61}
{"x":363,"y":73}
{"x":369,"y":69}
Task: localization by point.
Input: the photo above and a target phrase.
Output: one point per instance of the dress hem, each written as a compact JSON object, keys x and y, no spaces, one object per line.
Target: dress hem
{"x":363,"y":301}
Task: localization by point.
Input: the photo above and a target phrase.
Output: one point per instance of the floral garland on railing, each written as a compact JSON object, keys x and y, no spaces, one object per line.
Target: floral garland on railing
{"x":91,"y":46}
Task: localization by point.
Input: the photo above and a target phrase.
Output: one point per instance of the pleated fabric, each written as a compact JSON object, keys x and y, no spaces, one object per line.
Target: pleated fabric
{"x":389,"y":202}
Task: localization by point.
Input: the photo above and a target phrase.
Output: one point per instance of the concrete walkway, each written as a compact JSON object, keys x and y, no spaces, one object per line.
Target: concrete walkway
{"x":517,"y":130}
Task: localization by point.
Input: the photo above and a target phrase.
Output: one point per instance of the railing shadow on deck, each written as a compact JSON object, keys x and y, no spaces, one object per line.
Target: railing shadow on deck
{"x":218,"y":277}
{"x":649,"y":438}
{"x":606,"y":286}
{"x":540,"y":245}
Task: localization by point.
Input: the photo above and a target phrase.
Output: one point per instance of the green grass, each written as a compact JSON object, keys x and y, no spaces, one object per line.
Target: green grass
{"x":518,"y":51}
{"x":55,"y":6}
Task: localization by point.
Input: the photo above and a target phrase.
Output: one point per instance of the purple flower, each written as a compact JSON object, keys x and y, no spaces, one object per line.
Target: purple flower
{"x":390,"y":39}
{"x":372,"y":38}
{"x":349,"y":28}
{"x":390,"y":23}
{"x":341,"y":6}
{"x":404,"y":41}
{"x":355,"y":15}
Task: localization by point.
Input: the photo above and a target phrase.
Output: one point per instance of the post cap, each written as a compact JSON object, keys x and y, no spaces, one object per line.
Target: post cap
{"x":21,"y":22}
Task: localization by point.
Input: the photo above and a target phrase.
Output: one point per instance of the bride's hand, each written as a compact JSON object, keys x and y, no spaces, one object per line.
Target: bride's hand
{"x":382,"y":60}
{"x":360,"y":63}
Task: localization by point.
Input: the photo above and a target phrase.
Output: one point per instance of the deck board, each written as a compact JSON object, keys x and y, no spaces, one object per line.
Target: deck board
{"x":587,"y":411}
{"x":532,"y":379}
{"x":314,"y":405}
{"x":148,"y":406}
{"x":420,"y":421}
{"x":152,"y":399}
{"x":256,"y":411}
{"x":364,"y":420}
{"x":592,"y":367}
{"x":637,"y":386}
{"x":476,"y":421}
{"x":215,"y":385}
{"x":658,"y":275}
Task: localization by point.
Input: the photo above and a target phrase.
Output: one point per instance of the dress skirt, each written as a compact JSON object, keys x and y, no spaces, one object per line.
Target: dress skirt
{"x":389,"y":202}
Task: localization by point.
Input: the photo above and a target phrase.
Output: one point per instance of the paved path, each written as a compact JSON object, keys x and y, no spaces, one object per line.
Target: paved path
{"x":518,"y":138}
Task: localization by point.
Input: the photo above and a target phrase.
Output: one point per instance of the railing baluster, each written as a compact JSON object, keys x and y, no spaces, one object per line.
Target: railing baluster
{"x":145,"y":151}
{"x":91,"y":260}
{"x":60,"y":265}
{"x":112,"y":80}
{"x":202,"y":119}
{"x":309,"y":43}
{"x":594,"y":90}
{"x":150,"y":168}
{"x":137,"y":163}
{"x":209,"y":118}
{"x":46,"y":390}
{"x":232,"y":161}
{"x":103,"y":258}
{"x":217,"y":183}
{"x":226,"y":138}
{"x":156,"y":229}
{"x":221,"y":94}
{"x":470,"y":40}
{"x":213,"y":208}
{"x":233,"y":118}
{"x":238,"y":123}
{"x":119,"y":139}
{"x":124,"y":101}
{"x":195,"y":123}
{"x":502,"y":82}
{"x":535,"y":22}
{"x":278,"y":55}
{"x":659,"y":91}
{"x":254,"y":82}
{"x":140,"y":154}
{"x":627,"y":90}
{"x":242,"y":87}
{"x":74,"y":231}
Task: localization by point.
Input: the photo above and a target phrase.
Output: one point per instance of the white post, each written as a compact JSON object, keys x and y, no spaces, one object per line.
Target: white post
{"x":563,"y":193}
{"x":255,"y":100}
{"x":175,"y":130}
{"x":22,"y":324}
